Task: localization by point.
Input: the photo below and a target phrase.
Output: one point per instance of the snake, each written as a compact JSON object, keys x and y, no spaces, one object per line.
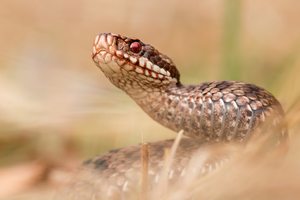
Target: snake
{"x":208,"y":113}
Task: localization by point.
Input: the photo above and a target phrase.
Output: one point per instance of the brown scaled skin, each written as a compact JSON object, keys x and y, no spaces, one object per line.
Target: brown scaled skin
{"x":211,"y":112}
{"x":218,"y":110}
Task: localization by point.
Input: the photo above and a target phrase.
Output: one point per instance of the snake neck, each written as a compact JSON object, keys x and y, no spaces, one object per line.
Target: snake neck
{"x":171,"y":105}
{"x":141,"y":92}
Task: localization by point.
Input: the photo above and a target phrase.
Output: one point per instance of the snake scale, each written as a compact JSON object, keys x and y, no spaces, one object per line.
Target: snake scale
{"x":211,"y":112}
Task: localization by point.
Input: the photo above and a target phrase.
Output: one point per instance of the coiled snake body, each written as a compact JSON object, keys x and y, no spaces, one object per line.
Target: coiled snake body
{"x":211,"y":112}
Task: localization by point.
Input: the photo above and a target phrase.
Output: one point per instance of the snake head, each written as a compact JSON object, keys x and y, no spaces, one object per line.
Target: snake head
{"x":127,"y":62}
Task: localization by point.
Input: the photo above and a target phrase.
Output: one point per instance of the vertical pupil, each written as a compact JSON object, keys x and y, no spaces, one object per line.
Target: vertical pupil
{"x":135,"y":47}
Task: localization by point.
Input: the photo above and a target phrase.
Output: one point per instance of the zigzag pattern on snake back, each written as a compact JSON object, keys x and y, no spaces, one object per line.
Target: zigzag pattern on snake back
{"x":211,"y":112}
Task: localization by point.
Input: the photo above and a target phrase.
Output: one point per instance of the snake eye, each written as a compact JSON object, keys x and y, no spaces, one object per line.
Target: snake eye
{"x":135,"y":47}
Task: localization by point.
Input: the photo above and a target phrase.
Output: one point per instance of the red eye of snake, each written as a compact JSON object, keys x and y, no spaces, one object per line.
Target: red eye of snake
{"x":135,"y":47}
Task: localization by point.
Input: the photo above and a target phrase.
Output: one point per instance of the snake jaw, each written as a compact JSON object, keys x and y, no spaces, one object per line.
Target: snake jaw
{"x":112,"y":53}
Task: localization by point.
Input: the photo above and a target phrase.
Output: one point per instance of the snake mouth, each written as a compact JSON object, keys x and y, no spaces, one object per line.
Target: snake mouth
{"x":113,"y":50}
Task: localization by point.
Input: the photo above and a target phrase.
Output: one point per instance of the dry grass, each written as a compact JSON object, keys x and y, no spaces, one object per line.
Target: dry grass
{"x":250,"y":173}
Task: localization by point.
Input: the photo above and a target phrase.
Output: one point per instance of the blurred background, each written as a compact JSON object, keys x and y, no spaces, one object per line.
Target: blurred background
{"x":57,"y":108}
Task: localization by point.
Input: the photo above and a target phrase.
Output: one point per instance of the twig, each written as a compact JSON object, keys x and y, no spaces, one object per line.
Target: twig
{"x":169,"y":157}
{"x":145,"y":164}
